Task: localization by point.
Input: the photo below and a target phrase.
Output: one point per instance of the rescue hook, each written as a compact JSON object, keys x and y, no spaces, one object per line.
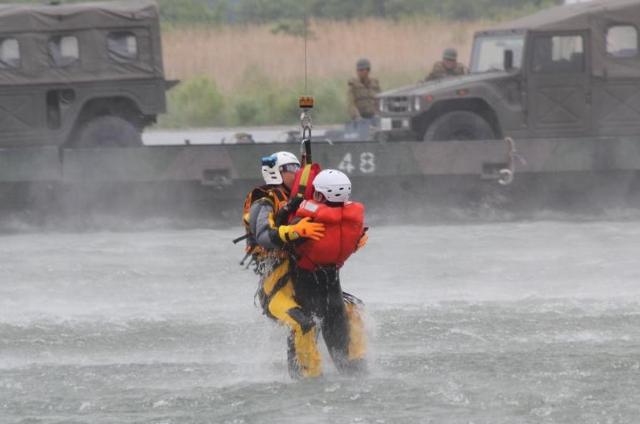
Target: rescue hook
{"x":306,"y":104}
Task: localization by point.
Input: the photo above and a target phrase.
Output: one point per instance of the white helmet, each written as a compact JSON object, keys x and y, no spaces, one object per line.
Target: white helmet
{"x":333,"y":184}
{"x":272,"y":166}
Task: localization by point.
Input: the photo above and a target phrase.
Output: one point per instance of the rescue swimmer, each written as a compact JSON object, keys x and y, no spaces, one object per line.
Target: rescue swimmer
{"x":272,"y":242}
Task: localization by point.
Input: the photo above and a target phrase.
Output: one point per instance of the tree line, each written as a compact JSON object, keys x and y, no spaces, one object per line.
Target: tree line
{"x":270,"y":11}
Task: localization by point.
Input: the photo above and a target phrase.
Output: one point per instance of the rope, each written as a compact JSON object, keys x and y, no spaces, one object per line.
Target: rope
{"x":306,"y":37}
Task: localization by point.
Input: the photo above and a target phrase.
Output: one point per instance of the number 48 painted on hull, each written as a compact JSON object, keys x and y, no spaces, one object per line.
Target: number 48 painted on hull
{"x":367,"y":163}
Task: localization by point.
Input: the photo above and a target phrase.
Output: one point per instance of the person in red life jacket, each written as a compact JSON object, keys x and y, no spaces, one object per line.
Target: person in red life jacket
{"x":316,"y":280}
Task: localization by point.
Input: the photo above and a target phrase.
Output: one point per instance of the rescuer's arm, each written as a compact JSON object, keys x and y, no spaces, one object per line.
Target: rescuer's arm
{"x":270,"y":236}
{"x":303,"y":228}
{"x":261,"y":224}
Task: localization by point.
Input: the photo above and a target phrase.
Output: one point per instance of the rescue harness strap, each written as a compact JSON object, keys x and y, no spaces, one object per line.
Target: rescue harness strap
{"x":239,"y":239}
{"x":304,"y":180}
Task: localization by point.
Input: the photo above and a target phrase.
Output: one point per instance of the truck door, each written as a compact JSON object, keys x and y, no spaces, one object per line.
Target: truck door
{"x":559,"y":94}
{"x":616,"y":96}
{"x":18,"y":101}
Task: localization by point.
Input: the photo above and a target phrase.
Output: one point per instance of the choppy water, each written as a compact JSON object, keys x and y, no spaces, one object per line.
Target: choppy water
{"x":489,"y":323}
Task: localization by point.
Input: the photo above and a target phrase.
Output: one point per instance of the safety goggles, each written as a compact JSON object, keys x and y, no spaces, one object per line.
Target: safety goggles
{"x":290,"y":167}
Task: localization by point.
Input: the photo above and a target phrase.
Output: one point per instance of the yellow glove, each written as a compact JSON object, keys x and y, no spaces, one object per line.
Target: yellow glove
{"x":304,"y":228}
{"x":363,"y":241}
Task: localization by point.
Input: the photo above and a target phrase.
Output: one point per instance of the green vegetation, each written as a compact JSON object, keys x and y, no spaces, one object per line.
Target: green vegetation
{"x":267,"y":11}
{"x":197,"y":102}
{"x":275,"y":10}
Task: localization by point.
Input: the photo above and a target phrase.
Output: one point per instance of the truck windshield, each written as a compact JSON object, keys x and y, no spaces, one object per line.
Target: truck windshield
{"x":488,"y":52}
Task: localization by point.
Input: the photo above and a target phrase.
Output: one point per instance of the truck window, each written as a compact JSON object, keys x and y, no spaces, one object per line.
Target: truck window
{"x":558,"y":54}
{"x":122,"y":46}
{"x":64,"y":50}
{"x":488,"y":52}
{"x":9,"y":53}
{"x":622,"y":41}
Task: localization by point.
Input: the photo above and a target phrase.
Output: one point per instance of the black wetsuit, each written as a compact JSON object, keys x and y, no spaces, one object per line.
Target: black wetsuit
{"x":321,"y":298}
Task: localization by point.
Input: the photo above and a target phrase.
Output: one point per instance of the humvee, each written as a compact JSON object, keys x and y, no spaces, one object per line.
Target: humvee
{"x":80,"y":75}
{"x":568,"y":71}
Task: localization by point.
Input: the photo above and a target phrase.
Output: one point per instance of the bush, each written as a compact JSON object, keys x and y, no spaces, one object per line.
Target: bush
{"x":331,"y":102}
{"x":245,"y":112}
{"x":198,"y":103}
{"x":195,"y":103}
{"x":262,"y":101}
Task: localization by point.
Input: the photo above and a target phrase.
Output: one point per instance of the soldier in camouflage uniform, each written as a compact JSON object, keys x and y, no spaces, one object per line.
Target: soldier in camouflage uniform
{"x":362,"y":92}
{"x":361,"y":99}
{"x":447,"y":67}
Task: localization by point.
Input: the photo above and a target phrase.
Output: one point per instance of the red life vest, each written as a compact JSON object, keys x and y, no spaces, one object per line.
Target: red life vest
{"x":343,"y":228}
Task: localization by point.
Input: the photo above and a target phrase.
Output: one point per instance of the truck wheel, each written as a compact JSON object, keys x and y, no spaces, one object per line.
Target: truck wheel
{"x":109,"y":131}
{"x":459,"y":125}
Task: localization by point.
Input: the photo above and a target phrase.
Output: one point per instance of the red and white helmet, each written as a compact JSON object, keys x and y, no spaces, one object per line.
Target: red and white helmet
{"x":334,"y":185}
{"x":272,"y":166}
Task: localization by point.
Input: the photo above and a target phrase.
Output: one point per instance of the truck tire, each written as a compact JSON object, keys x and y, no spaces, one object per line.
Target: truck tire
{"x":109,"y":131}
{"x":459,"y":125}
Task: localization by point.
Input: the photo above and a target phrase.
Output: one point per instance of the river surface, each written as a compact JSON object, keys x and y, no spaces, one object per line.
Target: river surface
{"x":520,"y":322}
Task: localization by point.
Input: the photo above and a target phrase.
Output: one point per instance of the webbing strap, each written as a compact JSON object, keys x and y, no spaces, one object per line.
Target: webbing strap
{"x":304,"y":180}
{"x":280,"y":195}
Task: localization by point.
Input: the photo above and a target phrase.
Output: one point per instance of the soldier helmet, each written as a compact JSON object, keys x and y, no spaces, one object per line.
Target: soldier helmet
{"x":363,"y":64}
{"x":450,"y":54}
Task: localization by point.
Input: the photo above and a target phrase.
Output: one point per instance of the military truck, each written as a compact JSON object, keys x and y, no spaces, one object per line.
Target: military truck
{"x":80,"y":75}
{"x":565,"y":72}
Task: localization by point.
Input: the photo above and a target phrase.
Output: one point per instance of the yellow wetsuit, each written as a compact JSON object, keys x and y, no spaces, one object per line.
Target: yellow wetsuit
{"x":276,"y":286}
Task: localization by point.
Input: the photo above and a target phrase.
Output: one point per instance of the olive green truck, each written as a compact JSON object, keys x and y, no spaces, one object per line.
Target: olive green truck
{"x":80,"y":75}
{"x":569,"y":71}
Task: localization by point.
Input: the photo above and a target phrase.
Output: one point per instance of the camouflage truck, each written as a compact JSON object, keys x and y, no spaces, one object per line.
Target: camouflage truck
{"x":79,"y":75}
{"x":568,"y":71}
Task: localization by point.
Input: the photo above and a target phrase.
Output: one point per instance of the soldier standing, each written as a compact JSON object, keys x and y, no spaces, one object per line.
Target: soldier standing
{"x":361,"y":98}
{"x":447,"y":67}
